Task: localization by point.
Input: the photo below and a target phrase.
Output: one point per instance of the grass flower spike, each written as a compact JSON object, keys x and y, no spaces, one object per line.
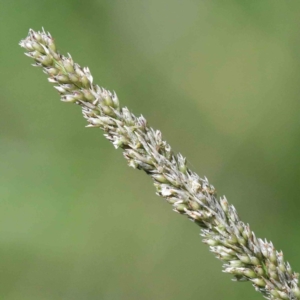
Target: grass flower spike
{"x":245,"y":256}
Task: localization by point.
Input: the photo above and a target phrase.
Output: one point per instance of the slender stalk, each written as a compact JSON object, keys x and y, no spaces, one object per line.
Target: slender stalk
{"x":246,"y":257}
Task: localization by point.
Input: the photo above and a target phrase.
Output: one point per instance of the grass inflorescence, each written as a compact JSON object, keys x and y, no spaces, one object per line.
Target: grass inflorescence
{"x":245,"y":256}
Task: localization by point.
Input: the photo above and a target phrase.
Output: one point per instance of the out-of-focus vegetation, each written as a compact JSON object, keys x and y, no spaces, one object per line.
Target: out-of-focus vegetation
{"x":220,"y":79}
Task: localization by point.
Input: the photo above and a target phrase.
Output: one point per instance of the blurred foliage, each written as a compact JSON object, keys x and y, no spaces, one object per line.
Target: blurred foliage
{"x":219,"y":78}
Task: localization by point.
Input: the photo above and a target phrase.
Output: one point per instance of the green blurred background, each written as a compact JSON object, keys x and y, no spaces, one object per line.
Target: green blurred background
{"x":220,"y":79}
